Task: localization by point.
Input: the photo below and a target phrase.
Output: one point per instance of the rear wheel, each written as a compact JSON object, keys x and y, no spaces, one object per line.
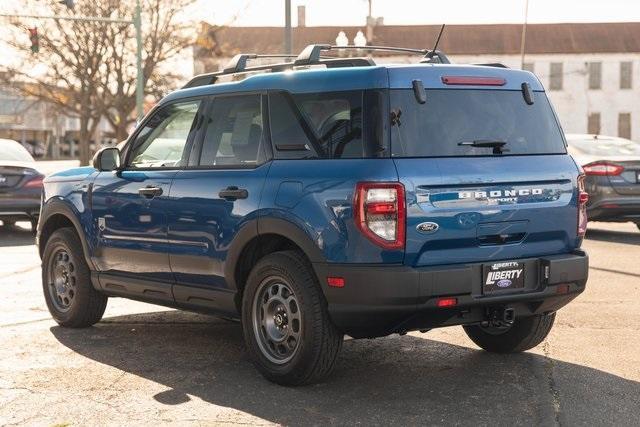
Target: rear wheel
{"x":8,"y":223}
{"x":66,"y":282}
{"x":285,"y":321}
{"x":524,"y":334}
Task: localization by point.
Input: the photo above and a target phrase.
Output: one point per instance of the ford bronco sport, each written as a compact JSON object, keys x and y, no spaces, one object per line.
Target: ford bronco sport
{"x":328,"y":196}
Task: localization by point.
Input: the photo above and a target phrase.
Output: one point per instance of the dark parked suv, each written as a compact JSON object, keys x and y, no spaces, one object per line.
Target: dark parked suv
{"x":329,"y":196}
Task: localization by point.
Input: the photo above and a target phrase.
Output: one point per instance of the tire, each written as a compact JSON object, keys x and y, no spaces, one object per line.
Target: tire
{"x":524,"y":334}
{"x":283,"y":352}
{"x":8,"y":223}
{"x":66,"y":282}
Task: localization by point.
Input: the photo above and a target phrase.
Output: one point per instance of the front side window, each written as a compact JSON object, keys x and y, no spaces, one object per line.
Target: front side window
{"x":161,"y":142}
{"x":234,"y":135}
{"x":458,"y":122}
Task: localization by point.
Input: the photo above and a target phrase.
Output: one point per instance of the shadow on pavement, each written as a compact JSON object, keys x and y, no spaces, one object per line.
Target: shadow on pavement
{"x":393,"y":380}
{"x":631,"y":238}
{"x":16,"y":236}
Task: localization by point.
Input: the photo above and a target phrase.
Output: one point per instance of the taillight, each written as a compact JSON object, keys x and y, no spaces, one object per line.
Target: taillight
{"x":583,"y":198}
{"x":35,"y":182}
{"x":380,"y":213}
{"x":602,"y":169}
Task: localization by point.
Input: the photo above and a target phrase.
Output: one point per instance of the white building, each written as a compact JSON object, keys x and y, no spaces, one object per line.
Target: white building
{"x":591,"y":71}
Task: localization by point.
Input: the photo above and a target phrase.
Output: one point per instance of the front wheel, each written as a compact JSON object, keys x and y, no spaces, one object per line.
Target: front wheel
{"x":286,"y":324}
{"x":524,"y":334}
{"x":66,"y":282}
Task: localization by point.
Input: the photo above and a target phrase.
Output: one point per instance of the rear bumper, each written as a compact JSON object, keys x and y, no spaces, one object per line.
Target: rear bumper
{"x":622,"y":208}
{"x":22,"y":208}
{"x":380,"y":300}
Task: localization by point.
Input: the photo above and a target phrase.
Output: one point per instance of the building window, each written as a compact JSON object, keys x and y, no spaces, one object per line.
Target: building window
{"x":593,"y":124}
{"x":626,"y":73}
{"x":555,"y":76}
{"x":624,"y":125}
{"x":529,"y":66}
{"x":595,"y":75}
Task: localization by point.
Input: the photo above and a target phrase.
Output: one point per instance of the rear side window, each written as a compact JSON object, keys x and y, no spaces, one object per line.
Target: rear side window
{"x":325,"y":125}
{"x":454,"y":116}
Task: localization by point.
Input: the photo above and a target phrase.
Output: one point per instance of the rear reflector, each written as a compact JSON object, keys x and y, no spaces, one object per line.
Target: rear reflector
{"x":603,"y":169}
{"x":563,"y":288}
{"x":447,"y":302}
{"x":335,"y":282}
{"x":473,"y":81}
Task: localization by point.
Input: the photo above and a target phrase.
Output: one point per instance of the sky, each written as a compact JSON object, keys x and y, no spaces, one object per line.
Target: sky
{"x":416,"y":12}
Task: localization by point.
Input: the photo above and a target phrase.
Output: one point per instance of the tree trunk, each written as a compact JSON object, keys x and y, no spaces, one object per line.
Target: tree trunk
{"x":121,"y":131}
{"x":83,"y":140}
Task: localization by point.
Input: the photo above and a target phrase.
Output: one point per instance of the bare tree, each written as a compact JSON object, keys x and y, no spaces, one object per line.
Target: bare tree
{"x":70,"y":64}
{"x":88,"y":69}
{"x":165,"y":37}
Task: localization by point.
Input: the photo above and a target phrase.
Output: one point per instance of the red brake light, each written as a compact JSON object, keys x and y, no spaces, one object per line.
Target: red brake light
{"x":603,"y":169}
{"x":473,"y":81}
{"x":583,"y":198}
{"x":34,"y":182}
{"x":447,"y":302}
{"x":379,"y":213}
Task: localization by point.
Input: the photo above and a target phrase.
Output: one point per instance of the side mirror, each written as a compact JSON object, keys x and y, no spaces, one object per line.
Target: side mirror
{"x":107,"y":159}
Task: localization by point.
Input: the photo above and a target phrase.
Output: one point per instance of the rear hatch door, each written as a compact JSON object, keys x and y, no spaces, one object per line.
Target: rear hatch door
{"x":473,"y":203}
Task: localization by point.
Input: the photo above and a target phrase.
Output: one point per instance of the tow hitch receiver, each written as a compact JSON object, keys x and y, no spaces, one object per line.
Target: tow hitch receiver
{"x":500,"y":317}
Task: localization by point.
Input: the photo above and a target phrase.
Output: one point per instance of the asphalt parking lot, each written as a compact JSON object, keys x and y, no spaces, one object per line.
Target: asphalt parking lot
{"x":144,"y":364}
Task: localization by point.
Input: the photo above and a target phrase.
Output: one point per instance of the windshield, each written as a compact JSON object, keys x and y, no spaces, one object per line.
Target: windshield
{"x":604,"y":147}
{"x":465,"y":122}
{"x":14,"y":152}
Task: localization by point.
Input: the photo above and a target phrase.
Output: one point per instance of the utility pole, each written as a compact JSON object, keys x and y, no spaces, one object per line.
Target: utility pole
{"x":523,"y":40}
{"x":287,"y":27}
{"x":136,"y":22}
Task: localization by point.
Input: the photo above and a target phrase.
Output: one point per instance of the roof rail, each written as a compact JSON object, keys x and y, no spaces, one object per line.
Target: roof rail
{"x":238,"y":65}
{"x":311,"y":53}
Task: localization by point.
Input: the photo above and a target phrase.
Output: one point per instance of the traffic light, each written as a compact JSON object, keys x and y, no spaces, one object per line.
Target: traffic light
{"x":35,"y":40}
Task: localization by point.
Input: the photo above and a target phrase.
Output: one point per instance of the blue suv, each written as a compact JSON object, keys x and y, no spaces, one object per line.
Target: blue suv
{"x":325,"y":197}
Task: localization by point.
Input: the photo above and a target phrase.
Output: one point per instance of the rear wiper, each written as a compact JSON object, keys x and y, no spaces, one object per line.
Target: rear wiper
{"x":497,"y":145}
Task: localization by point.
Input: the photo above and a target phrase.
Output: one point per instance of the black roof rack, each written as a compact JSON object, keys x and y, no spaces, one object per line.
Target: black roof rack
{"x":311,"y":55}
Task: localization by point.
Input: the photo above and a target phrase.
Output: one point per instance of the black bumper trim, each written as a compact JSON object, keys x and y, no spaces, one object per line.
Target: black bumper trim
{"x":378,"y":300}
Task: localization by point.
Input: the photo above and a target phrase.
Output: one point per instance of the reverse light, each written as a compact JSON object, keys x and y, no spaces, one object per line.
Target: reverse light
{"x":379,"y":209}
{"x":34,"y":182}
{"x":473,"y":81}
{"x":602,"y":169}
{"x":583,"y":198}
{"x":446,"y":302}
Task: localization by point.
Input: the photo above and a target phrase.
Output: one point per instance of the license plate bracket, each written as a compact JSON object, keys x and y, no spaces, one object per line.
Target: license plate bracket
{"x":502,"y":276}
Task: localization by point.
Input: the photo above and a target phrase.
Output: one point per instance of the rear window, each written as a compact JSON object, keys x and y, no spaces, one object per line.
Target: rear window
{"x":12,"y":151}
{"x":603,"y":147}
{"x":454,"y":116}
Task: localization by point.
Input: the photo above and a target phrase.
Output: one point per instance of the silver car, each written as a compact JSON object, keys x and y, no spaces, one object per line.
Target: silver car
{"x":612,"y":169}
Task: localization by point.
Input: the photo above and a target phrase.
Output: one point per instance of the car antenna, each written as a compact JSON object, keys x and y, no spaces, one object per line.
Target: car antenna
{"x":434,"y":51}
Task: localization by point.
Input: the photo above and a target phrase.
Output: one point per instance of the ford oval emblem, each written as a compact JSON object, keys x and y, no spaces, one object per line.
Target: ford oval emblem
{"x":504,"y":283}
{"x":427,"y":227}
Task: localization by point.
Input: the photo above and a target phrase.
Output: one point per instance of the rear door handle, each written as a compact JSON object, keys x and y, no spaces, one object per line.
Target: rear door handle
{"x":233,"y":193}
{"x":150,"y":191}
